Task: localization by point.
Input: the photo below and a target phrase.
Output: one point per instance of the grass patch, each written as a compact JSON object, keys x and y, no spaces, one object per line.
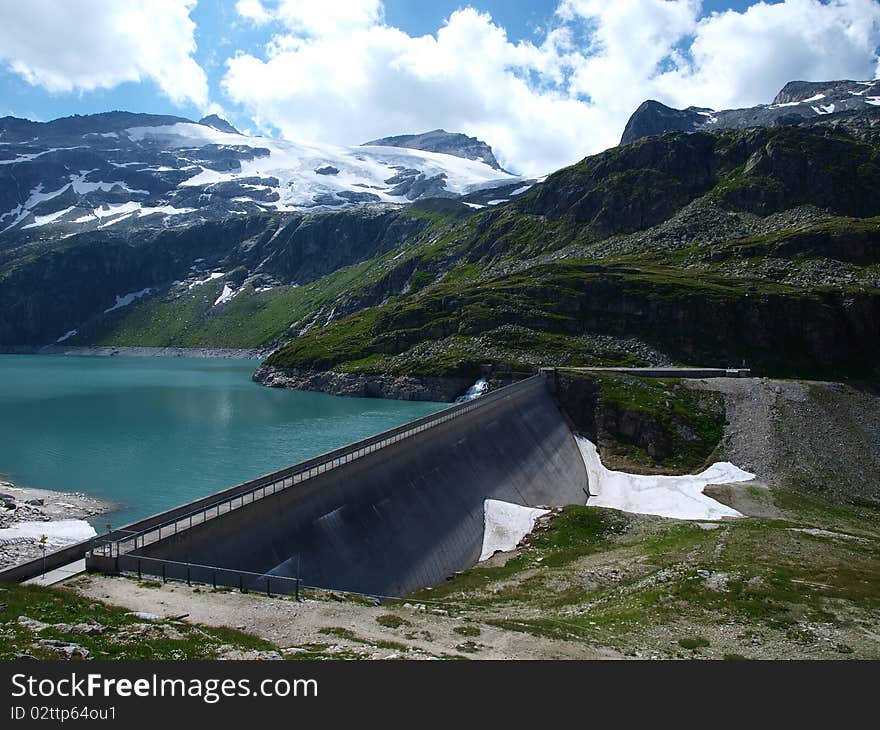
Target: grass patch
{"x":467,"y":630}
{"x":469,"y":647}
{"x":112,"y":633}
{"x":390,"y":621}
{"x":343,"y":633}
{"x":694,"y":643}
{"x":570,"y":534}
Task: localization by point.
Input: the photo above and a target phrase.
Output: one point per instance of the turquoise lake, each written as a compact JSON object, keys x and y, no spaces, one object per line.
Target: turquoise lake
{"x":152,"y":433}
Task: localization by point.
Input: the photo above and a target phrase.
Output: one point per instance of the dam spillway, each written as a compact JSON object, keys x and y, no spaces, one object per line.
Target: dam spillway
{"x":385,"y":516}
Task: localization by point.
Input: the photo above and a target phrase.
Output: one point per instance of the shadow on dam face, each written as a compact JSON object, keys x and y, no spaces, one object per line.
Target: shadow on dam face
{"x":406,"y":516}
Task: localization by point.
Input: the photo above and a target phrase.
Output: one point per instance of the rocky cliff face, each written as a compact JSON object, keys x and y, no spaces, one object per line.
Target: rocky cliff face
{"x":359,"y":385}
{"x":78,"y":286}
{"x":709,"y":248}
{"x":643,"y":424}
{"x":652,"y":118}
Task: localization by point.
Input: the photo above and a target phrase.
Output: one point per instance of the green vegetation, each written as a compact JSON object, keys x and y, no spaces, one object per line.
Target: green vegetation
{"x":104,"y":632}
{"x":749,"y":588}
{"x":467,"y":630}
{"x":585,"y":269}
{"x":348,"y":635}
{"x":390,"y":621}
{"x":653,"y":423}
{"x":693,"y":644}
{"x":468,"y":647}
{"x":576,"y":532}
{"x":561,"y":315}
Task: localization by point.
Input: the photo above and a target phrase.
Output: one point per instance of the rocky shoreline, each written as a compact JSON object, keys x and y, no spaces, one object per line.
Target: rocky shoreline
{"x":24,"y":511}
{"x":399,"y":387}
{"x":120,"y":351}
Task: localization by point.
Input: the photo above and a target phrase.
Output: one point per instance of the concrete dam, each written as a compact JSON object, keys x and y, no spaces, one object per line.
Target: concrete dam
{"x":385,"y":516}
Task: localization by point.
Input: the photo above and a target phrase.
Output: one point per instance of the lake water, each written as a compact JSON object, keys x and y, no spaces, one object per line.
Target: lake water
{"x":152,"y":433}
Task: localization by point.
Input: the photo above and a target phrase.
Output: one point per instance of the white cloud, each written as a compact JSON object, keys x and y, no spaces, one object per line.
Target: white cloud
{"x":82,"y":45}
{"x":336,"y":72}
{"x":373,"y":80}
{"x":651,"y":49}
{"x":253,"y":10}
{"x":743,"y":59}
{"x":314,"y":18}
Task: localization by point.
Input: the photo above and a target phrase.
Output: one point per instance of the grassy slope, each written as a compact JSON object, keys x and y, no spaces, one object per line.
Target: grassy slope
{"x":546,"y":316}
{"x":653,"y":425}
{"x":495,"y":259}
{"x":503,"y":279}
{"x":751,"y":588}
{"x":120,"y":636}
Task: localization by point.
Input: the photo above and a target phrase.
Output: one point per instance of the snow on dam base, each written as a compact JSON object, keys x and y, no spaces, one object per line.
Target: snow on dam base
{"x":674,"y":496}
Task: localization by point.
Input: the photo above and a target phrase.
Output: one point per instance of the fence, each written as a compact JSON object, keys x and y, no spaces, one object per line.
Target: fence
{"x":257,"y":489}
{"x":211,"y":575}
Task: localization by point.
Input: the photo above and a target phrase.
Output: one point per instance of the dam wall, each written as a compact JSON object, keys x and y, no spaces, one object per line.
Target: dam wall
{"x":390,"y":521}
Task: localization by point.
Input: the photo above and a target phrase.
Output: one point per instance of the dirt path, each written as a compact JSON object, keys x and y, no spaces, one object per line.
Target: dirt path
{"x":334,"y":627}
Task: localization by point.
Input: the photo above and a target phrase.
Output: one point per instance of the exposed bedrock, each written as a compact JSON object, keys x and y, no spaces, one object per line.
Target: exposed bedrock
{"x":400,"y":387}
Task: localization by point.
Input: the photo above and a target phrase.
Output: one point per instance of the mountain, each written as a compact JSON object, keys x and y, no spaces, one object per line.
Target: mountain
{"x":755,"y":245}
{"x":134,"y":170}
{"x":799,"y":102}
{"x":448,"y":143}
{"x":218,"y":123}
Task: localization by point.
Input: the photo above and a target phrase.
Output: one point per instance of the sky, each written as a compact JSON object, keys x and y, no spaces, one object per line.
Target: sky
{"x":545,"y":82}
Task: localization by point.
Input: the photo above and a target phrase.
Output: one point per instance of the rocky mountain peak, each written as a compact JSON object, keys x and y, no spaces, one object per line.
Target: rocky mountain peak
{"x":798,"y":91}
{"x":652,"y":118}
{"x":439,"y":140}
{"x":218,"y":123}
{"x":799,"y":102}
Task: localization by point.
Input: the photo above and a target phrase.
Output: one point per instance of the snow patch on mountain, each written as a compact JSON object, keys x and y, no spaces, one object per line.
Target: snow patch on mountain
{"x":210,"y":278}
{"x":87,"y":173}
{"x":123,"y":300}
{"x":225,"y":295}
{"x":373,"y":169}
{"x":42,"y":220}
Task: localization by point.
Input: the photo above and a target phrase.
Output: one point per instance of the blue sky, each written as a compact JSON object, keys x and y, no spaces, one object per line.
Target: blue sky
{"x":533,"y":77}
{"x":219,"y":35}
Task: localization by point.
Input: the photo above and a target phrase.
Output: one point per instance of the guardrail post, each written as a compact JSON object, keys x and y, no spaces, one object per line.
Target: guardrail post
{"x":240,"y":583}
{"x":188,"y":581}
{"x":139,"y":569}
{"x":164,"y":579}
{"x":269,"y":587}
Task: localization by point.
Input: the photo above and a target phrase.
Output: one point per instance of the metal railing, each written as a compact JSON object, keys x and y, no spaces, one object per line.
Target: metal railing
{"x":211,"y":575}
{"x":270,"y":484}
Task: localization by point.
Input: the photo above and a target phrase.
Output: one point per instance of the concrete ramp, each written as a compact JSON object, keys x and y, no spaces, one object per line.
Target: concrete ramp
{"x":406,"y":516}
